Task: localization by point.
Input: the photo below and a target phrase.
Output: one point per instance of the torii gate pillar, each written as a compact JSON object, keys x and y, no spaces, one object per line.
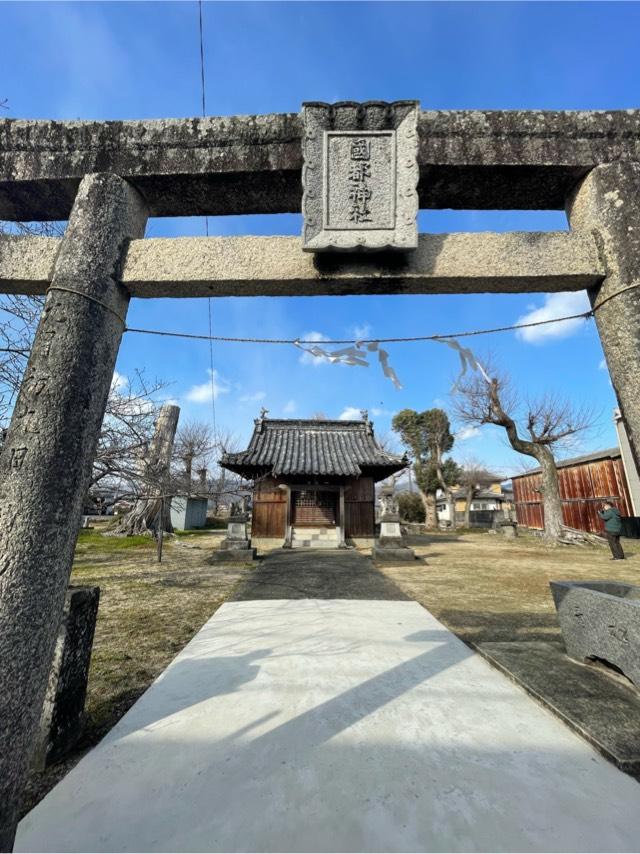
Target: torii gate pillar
{"x":46,"y":460}
{"x":607,"y":204}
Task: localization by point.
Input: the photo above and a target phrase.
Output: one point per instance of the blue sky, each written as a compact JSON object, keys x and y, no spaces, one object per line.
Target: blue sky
{"x":141,"y":60}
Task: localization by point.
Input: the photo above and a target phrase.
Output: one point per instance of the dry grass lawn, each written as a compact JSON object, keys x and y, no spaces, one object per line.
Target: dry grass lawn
{"x":486,"y":588}
{"x":483,"y":587}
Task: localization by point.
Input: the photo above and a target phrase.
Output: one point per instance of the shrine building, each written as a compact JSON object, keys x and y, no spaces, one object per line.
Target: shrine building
{"x":313,"y":480}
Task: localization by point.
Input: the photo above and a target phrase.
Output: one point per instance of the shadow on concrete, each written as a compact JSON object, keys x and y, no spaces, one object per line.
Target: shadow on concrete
{"x":309,"y":574}
{"x":326,"y":720}
{"x":480,"y":784}
{"x":194,"y":681}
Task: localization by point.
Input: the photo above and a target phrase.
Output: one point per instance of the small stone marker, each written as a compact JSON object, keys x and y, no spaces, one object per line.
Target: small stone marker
{"x":508,"y":528}
{"x":360,"y":175}
{"x":391,"y":544}
{"x":63,"y":711}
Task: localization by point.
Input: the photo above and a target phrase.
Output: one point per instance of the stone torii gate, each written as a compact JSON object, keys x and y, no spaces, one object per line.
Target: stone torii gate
{"x":106,"y":178}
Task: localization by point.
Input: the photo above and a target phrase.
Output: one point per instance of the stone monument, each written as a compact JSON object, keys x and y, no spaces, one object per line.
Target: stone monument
{"x":390,"y":544}
{"x":601,"y":620}
{"x":360,"y":176}
{"x":236,"y":546}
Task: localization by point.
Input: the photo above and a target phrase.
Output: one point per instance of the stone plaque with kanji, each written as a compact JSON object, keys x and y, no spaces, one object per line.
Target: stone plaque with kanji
{"x":360,"y":176}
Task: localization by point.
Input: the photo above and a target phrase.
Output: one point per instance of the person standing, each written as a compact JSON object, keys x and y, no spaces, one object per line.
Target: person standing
{"x":612,"y":528}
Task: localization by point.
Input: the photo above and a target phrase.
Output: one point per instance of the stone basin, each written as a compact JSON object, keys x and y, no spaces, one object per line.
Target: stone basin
{"x":600,"y":620}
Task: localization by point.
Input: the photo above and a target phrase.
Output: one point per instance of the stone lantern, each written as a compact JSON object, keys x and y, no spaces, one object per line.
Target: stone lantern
{"x":390,"y":544}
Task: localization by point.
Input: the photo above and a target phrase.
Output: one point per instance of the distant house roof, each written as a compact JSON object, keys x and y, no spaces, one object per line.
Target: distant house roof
{"x":608,"y":454}
{"x":306,"y":448}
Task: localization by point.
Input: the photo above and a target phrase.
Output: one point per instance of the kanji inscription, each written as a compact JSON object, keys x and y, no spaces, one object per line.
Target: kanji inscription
{"x":360,"y":180}
{"x":360,"y":175}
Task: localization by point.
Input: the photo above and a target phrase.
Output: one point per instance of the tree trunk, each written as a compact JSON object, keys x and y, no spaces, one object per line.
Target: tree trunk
{"x":143,"y":518}
{"x":446,"y":489}
{"x":430,"y":514}
{"x":551,"y":501}
{"x":467,"y":507}
{"x":451,"y":504}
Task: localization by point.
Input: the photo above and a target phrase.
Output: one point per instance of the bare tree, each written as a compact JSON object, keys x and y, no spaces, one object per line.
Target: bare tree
{"x":548,"y":423}
{"x":222,"y":482}
{"x":194,"y":445}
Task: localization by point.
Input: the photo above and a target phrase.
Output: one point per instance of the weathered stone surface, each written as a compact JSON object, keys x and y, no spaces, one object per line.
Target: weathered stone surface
{"x":508,"y":531}
{"x":510,"y":159}
{"x":27,"y":263}
{"x":276,"y":266}
{"x":604,"y":711}
{"x":360,"y":176}
{"x":601,"y":620}
{"x":442,"y":263}
{"x":63,"y":711}
{"x":46,"y":459}
{"x":608,"y":203}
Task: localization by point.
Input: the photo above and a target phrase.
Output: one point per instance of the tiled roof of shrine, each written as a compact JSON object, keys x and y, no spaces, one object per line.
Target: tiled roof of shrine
{"x":307,"y":448}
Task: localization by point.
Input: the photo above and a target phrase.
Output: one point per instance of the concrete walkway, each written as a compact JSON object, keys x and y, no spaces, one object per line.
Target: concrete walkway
{"x":334,"y":725}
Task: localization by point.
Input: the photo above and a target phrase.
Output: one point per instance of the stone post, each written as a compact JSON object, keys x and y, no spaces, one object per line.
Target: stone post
{"x":46,"y":459}
{"x":63,"y":715}
{"x":607,"y":204}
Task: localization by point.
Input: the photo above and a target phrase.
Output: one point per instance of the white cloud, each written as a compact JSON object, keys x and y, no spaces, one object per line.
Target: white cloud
{"x":350,"y":413}
{"x":377,"y":412}
{"x":253,"y":398}
{"x":307,"y":358}
{"x":202,"y":393}
{"x":467,"y":433}
{"x":555,"y":305}
{"x":290,"y":407}
{"x":603,"y":365}
{"x":119,"y":382}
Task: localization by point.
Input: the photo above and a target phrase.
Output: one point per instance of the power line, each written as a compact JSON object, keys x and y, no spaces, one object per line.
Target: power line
{"x":202,"y":84}
{"x":417,"y":338}
{"x":584,"y":315}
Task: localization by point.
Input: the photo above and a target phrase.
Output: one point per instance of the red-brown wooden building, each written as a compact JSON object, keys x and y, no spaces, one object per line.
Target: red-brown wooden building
{"x":313,"y":476}
{"x":585,"y":482}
